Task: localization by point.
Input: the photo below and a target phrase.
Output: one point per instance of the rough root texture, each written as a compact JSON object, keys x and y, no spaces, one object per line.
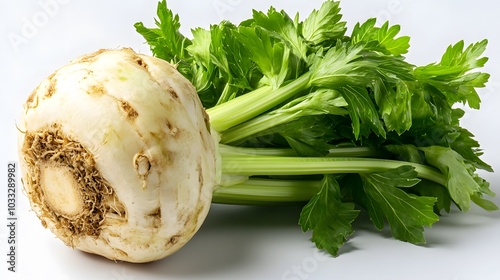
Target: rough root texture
{"x":51,"y":147}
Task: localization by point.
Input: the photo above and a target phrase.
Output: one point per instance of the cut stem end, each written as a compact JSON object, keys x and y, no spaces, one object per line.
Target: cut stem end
{"x":61,"y":190}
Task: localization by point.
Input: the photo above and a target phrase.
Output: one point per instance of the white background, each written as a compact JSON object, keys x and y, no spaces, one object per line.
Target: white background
{"x":37,"y":37}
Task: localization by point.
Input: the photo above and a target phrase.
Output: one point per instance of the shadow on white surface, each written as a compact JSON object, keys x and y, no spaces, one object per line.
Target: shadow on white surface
{"x":232,"y":239}
{"x":228,"y":240}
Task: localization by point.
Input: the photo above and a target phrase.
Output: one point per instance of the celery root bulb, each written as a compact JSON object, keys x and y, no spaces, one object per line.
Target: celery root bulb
{"x":117,"y":156}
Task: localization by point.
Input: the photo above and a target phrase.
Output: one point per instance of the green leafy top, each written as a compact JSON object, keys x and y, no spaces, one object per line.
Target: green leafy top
{"x":383,"y":37}
{"x":273,"y":81}
{"x":166,"y":41}
{"x":451,"y":76}
{"x":324,"y":26}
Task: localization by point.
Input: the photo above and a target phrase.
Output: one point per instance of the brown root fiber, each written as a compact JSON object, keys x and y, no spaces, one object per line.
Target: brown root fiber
{"x":98,"y":200}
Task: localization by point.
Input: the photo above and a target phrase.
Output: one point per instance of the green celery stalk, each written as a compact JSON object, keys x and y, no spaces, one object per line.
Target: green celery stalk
{"x":245,"y":107}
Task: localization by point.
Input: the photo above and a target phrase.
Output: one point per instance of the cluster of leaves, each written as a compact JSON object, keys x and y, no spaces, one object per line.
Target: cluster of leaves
{"x":338,"y":89}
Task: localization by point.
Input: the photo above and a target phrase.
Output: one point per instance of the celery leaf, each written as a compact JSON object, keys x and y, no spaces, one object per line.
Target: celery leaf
{"x":406,"y":213}
{"x":324,"y":25}
{"x":384,"y":37}
{"x":460,"y":183}
{"x":282,"y":27}
{"x":328,"y":217}
{"x":166,"y":41}
{"x":272,"y":57}
{"x":452,"y":76}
